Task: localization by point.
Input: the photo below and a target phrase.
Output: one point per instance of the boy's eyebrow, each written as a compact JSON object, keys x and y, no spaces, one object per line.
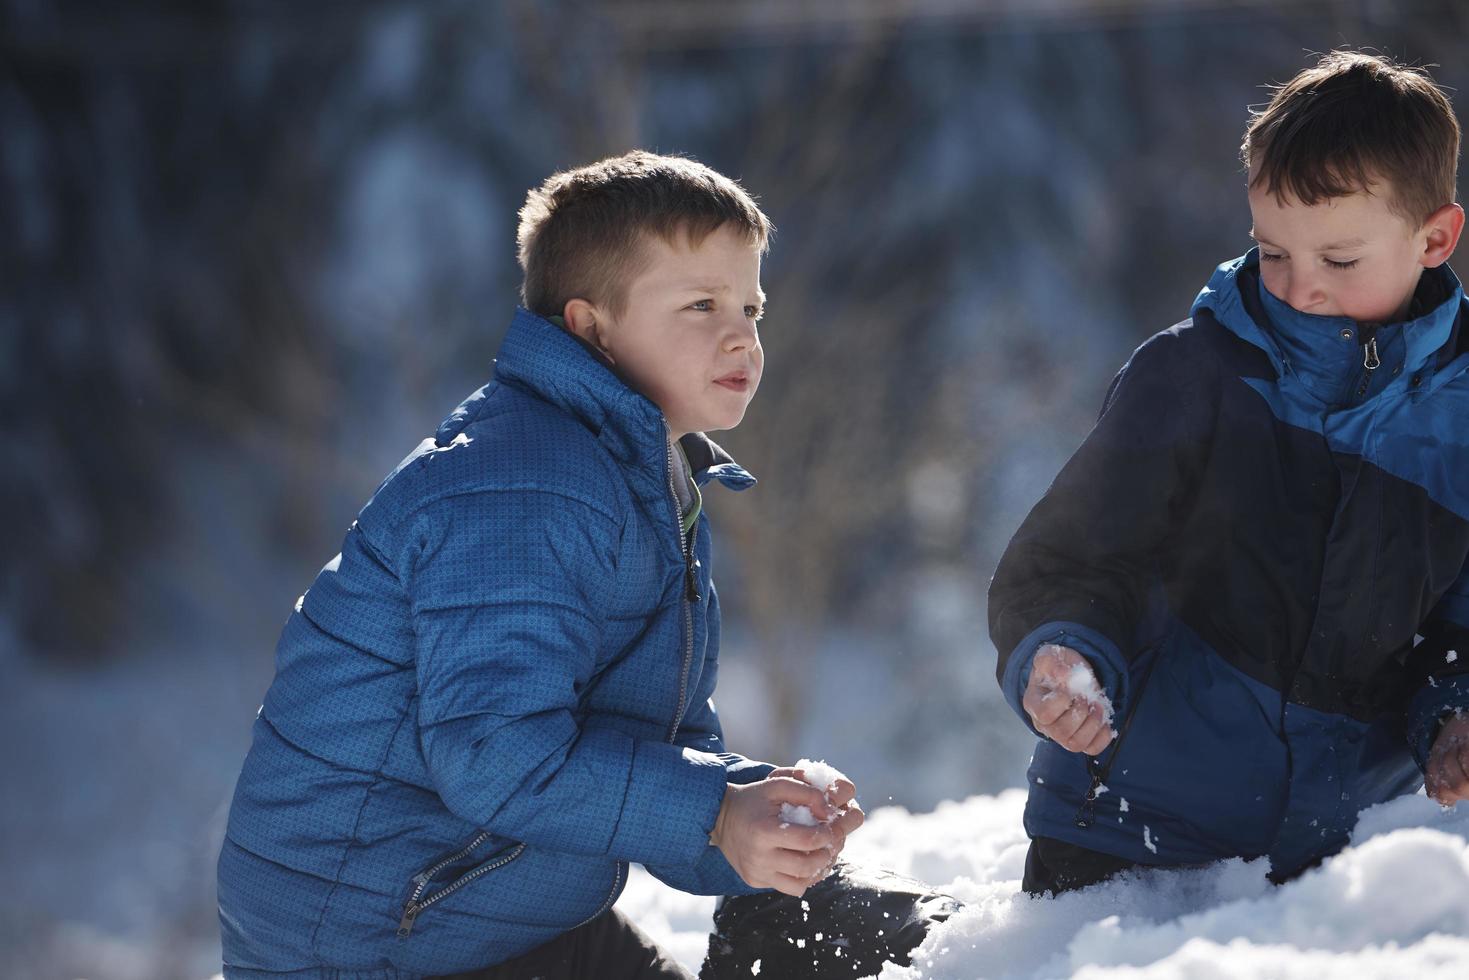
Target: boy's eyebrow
{"x":1328,"y":247}
{"x":702,"y":288}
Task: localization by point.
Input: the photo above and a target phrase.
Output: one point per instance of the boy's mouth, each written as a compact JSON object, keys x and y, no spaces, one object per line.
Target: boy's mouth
{"x":736,"y":381}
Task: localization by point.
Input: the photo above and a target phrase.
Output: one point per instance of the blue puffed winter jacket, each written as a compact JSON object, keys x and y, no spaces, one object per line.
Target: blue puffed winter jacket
{"x":495,"y":697}
{"x":1261,"y":548}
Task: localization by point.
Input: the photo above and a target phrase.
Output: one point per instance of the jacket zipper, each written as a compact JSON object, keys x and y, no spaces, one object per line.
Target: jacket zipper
{"x":421,"y":880}
{"x":1086,"y":813}
{"x":691,"y":593}
{"x":607,"y":902}
{"x":1370,"y":361}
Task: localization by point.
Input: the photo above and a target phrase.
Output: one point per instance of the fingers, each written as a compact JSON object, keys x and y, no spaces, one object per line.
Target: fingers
{"x":794,"y":887}
{"x":1045,"y":705}
{"x":790,"y":871}
{"x":787,"y":789}
{"x":797,"y":837}
{"x":849,"y":818}
{"x":1447,"y":778}
{"x":1103,"y":738}
{"x":804,"y":865}
{"x":841,"y":793}
{"x":1074,"y":723}
{"x":1081,"y":727}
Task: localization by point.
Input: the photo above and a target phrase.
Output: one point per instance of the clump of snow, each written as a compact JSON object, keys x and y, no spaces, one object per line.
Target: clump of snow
{"x":820,"y":775}
{"x":1081,"y":682}
{"x":1451,"y":656}
{"x":1394,"y":904}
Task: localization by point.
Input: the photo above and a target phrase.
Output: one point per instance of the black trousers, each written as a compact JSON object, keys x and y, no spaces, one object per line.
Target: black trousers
{"x":1053,"y":866}
{"x":609,"y":947}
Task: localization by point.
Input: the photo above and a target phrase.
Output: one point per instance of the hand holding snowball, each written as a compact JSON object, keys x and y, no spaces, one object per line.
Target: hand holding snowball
{"x":1065,"y":703}
{"x":840,"y":794}
{"x":770,"y":851}
{"x":1447,"y":775}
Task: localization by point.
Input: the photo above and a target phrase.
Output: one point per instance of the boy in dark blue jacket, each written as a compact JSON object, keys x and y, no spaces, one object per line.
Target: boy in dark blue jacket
{"x":1240,"y":614}
{"x":499,"y":693}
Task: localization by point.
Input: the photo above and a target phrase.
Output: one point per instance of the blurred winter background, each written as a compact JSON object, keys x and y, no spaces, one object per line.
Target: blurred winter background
{"x":251,"y":252}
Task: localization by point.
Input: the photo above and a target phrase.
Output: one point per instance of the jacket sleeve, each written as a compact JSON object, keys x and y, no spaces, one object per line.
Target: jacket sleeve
{"x":1080,"y":568}
{"x":1440,"y":667}
{"x":507,"y":589}
{"x":711,"y":874}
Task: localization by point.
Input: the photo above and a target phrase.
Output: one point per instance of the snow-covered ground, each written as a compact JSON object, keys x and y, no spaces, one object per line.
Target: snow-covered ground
{"x":1393,"y":905}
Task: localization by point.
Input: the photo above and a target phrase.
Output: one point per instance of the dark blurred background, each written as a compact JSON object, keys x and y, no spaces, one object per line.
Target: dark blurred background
{"x":253,"y":252}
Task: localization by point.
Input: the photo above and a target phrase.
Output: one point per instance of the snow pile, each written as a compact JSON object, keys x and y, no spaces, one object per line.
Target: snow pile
{"x":1393,"y":905}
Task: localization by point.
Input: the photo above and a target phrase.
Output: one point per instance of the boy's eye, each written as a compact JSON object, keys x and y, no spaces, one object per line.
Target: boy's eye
{"x":754,"y":312}
{"x":1270,"y":256}
{"x":702,"y":305}
{"x":1341,"y":265}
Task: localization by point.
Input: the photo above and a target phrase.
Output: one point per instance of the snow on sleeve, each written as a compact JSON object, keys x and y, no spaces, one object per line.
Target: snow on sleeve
{"x":820,"y":775}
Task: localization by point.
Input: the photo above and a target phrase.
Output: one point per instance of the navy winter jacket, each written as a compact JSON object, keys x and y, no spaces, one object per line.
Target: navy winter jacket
{"x":495,"y":697}
{"x":1261,"y":550}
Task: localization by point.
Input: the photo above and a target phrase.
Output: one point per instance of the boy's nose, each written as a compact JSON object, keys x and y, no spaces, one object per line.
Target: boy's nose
{"x":741,"y":334}
{"x":1303,"y":292}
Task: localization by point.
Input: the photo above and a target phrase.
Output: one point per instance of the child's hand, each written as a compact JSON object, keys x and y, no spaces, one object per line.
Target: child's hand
{"x":842,"y":796}
{"x":766,"y":851}
{"x":1447,"y":775}
{"x":1061,"y":704}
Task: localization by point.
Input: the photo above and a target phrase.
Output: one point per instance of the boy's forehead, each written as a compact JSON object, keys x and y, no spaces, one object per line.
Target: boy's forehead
{"x":721,"y":261}
{"x":1338,"y":222}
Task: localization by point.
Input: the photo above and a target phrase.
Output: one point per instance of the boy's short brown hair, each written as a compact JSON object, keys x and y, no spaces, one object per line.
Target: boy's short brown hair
{"x":1351,"y":120}
{"x":582,"y":231}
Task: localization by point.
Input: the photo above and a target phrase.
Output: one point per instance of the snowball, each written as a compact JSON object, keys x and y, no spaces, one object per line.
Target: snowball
{"x":818,"y":774}
{"x":1081,"y":682}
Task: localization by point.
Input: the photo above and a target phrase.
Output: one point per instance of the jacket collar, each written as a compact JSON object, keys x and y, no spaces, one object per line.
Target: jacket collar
{"x":557,"y":366}
{"x":1313,"y":348}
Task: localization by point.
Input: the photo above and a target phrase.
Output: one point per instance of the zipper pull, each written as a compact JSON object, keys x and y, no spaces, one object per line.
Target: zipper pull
{"x":1369,"y":356}
{"x":405,"y":924}
{"x":691,"y":579}
{"x":1087,"y":812}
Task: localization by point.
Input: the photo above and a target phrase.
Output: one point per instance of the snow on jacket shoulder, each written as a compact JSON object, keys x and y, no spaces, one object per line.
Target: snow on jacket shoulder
{"x":493,"y":698}
{"x":1262,"y":548}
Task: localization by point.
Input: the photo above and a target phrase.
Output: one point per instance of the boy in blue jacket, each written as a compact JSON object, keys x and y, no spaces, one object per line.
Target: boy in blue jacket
{"x":1240,"y":614}
{"x":499,"y":693}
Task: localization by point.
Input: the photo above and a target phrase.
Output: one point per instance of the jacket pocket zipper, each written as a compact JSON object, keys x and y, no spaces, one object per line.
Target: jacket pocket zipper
{"x":414,"y":905}
{"x":1086,"y":813}
{"x":607,"y":902}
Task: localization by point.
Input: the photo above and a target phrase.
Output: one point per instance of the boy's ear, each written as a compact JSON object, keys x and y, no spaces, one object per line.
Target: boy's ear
{"x":585,"y":320}
{"x":1444,"y":227}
